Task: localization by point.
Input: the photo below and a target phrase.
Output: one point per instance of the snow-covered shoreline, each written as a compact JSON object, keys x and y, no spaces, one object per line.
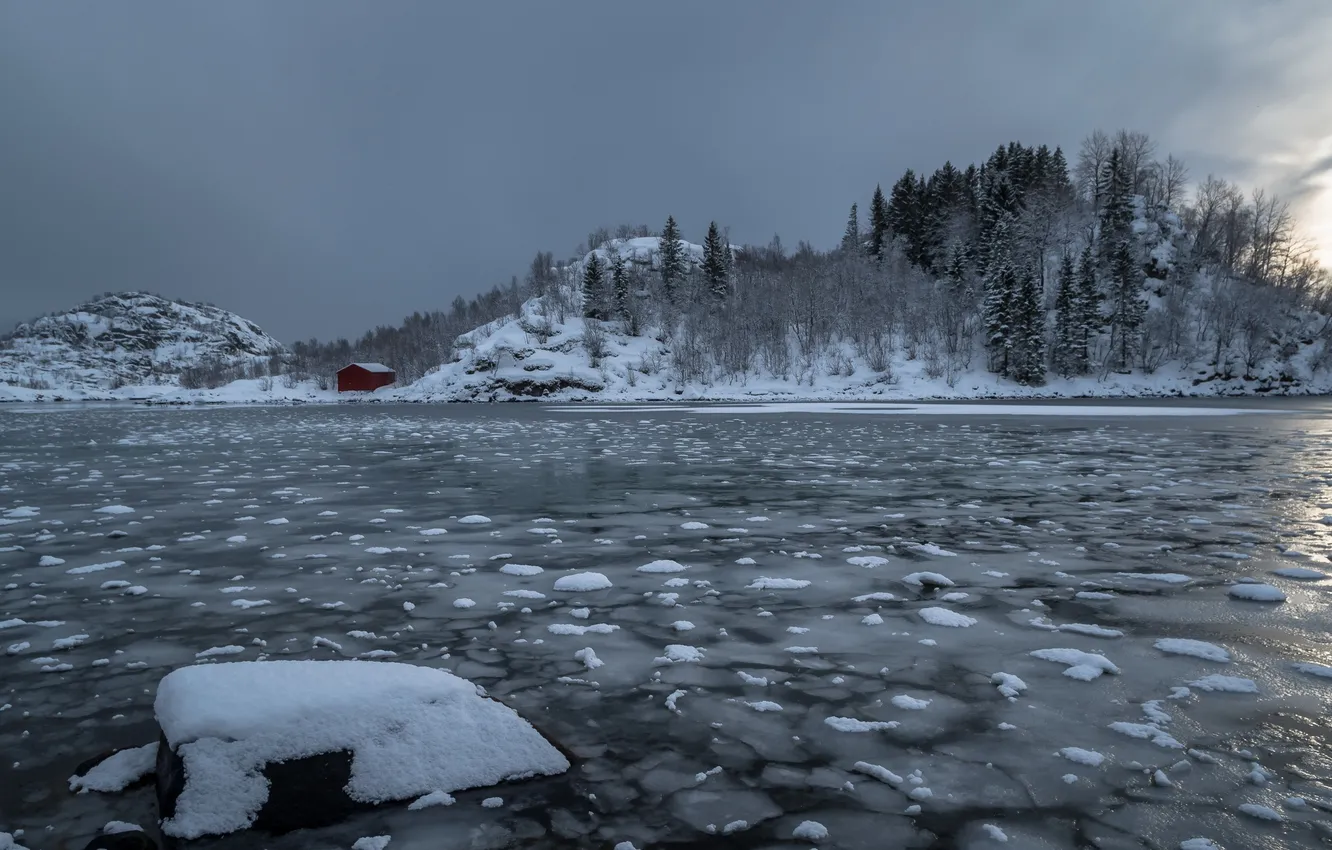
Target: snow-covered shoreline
{"x":233,"y":395}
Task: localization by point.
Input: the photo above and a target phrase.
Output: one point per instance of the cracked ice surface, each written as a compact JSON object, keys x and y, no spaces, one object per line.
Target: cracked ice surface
{"x":844,"y":620}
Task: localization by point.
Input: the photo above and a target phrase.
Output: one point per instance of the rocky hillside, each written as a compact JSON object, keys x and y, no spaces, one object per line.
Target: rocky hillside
{"x":129,"y":339}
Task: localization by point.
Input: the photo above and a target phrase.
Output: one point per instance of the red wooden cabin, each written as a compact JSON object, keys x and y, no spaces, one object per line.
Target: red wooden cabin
{"x":364,"y":377}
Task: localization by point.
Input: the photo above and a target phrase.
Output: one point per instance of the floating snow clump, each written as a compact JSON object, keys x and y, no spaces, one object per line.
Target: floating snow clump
{"x":662,"y":567}
{"x":521,"y":570}
{"x":927,"y":579}
{"x":582,"y":582}
{"x":1083,"y":666}
{"x":945,"y":617}
{"x":765,"y":583}
{"x":1078,"y":755}
{"x":1226,"y":684}
{"x":1257,"y":593}
{"x":1195,"y":648}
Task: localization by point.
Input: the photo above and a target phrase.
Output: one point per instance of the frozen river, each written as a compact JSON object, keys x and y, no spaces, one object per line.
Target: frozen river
{"x":975,"y":627}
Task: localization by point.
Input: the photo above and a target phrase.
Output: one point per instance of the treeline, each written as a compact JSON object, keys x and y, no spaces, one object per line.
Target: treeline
{"x":1024,"y":263}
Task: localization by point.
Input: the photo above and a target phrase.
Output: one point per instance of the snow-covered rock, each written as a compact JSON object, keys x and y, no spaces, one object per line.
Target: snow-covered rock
{"x":291,"y":744}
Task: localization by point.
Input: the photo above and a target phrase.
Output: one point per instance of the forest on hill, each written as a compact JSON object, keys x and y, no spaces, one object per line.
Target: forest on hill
{"x":1023,"y":265}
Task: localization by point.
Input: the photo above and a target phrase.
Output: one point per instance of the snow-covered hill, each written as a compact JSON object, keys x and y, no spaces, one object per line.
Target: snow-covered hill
{"x":125,"y":340}
{"x":507,"y":361}
{"x":536,"y":356}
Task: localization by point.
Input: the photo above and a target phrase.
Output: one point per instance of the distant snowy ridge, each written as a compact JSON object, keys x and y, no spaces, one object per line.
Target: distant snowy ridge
{"x":127,"y":339}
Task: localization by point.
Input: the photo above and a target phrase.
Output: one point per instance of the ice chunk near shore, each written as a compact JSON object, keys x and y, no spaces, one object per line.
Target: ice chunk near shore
{"x":411,"y":730}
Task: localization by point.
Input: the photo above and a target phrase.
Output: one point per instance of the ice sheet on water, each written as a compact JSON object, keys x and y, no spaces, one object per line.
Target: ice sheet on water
{"x":1037,"y":534}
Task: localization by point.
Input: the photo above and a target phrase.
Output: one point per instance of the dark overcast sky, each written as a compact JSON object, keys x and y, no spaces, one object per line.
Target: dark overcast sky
{"x":321,"y":167}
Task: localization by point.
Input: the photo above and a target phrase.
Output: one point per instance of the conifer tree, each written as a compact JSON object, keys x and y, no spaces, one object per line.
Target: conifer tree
{"x":1089,"y":306}
{"x":1000,"y":285}
{"x":1069,"y":357}
{"x":878,"y":224}
{"x":1118,"y":246}
{"x":714,"y":264}
{"x":851,"y":236}
{"x":904,"y":208}
{"x":1060,"y":184}
{"x":593,"y":288}
{"x":670,"y":257}
{"x":619,"y":271}
{"x":1028,"y":329}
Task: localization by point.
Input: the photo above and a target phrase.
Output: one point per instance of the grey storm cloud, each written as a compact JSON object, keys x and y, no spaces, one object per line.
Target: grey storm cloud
{"x":322,"y":167}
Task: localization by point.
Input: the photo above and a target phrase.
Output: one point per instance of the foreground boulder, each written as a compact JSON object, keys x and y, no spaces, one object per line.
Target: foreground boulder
{"x":282,"y":745}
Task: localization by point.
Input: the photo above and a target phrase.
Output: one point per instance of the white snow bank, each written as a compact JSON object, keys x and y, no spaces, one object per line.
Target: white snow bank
{"x":412,"y":731}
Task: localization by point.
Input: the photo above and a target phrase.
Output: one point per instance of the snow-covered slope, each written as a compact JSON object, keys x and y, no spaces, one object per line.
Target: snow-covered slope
{"x":128,"y":339}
